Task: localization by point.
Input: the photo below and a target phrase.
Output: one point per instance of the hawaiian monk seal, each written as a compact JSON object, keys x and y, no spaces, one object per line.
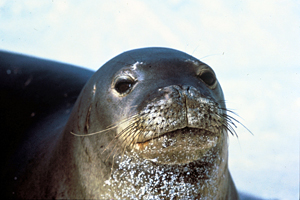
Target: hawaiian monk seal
{"x":151,"y":123}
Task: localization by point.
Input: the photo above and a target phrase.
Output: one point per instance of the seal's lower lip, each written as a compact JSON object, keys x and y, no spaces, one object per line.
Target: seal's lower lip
{"x":178,"y":147}
{"x":192,"y":136}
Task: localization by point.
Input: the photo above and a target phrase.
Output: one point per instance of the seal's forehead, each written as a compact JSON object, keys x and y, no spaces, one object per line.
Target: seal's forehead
{"x":154,"y":54}
{"x":155,"y":57}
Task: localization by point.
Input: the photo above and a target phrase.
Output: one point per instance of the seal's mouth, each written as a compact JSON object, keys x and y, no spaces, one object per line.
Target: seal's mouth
{"x":179,"y":146}
{"x":170,"y":138}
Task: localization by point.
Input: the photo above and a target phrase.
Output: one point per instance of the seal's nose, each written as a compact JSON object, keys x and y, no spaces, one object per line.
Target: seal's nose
{"x":191,"y":103}
{"x":198,"y":108}
{"x":188,"y":91}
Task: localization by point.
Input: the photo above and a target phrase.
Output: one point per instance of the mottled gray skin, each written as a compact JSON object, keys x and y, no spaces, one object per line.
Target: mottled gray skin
{"x":163,"y":138}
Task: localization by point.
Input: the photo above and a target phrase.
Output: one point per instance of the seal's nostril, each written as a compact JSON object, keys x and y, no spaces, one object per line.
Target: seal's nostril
{"x":180,"y":86}
{"x":186,"y":87}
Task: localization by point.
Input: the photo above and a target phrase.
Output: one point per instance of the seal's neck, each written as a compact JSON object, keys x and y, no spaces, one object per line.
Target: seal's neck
{"x":137,"y":178}
{"x":134,"y":177}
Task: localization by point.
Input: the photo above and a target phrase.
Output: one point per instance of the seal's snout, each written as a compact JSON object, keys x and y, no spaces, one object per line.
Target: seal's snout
{"x":178,"y":122}
{"x":177,"y":107}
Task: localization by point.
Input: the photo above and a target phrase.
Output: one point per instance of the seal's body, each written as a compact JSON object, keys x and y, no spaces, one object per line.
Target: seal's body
{"x":149,"y":124}
{"x":37,"y":97}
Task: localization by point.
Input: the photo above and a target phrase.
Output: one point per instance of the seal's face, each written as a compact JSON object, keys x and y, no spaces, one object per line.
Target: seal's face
{"x":157,"y":122}
{"x":174,"y":109}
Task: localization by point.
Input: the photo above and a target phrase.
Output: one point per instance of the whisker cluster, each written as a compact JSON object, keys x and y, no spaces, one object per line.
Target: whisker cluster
{"x":144,"y":126}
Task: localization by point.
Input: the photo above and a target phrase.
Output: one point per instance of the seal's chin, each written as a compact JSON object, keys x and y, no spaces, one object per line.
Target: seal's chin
{"x":178,"y":147}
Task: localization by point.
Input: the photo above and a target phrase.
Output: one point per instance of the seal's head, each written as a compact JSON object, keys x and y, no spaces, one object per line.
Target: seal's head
{"x":155,"y":111}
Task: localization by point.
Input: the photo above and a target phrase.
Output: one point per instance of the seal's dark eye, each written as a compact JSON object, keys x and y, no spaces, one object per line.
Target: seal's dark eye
{"x":124,"y":85}
{"x":208,"y":78}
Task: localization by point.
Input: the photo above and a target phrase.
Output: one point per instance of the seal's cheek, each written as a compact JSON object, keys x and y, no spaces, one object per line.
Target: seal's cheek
{"x":178,"y":147}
